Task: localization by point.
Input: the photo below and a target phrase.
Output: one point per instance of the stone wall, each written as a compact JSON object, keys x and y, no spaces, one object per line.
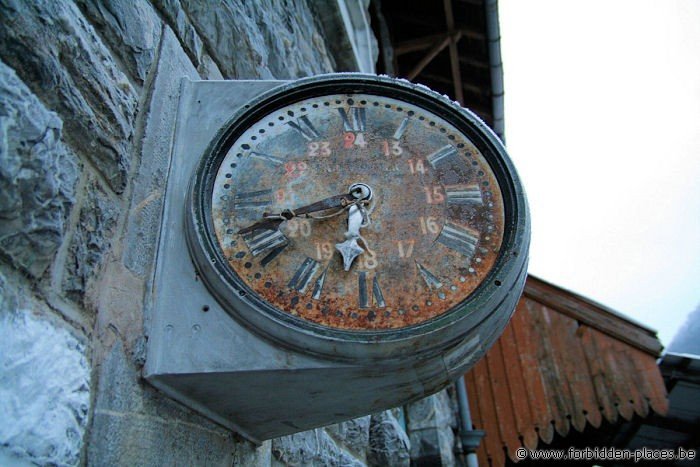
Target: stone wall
{"x":83,"y":83}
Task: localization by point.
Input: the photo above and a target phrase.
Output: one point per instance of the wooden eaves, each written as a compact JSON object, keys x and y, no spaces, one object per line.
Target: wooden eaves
{"x":562,"y":363}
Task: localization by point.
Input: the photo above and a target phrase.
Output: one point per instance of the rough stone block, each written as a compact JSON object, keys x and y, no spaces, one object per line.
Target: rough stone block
{"x":246,"y":454}
{"x":353,"y":434}
{"x":348,"y":33}
{"x":433,"y":447}
{"x":265,"y":39}
{"x":91,"y":239}
{"x":430,"y":422}
{"x":429,"y":412}
{"x":208,"y":69}
{"x":388,"y":442}
{"x":58,"y":54}
{"x":119,"y":301}
{"x":147,"y":199}
{"x":38,"y":175}
{"x":130,"y":27}
{"x":135,"y":425}
{"x":313,"y":447}
{"x":44,"y":384}
{"x":177,"y":19}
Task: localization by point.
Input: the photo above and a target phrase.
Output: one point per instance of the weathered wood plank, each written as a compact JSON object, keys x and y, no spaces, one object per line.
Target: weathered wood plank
{"x":576,"y":374}
{"x":637,"y":358}
{"x":612,"y":372}
{"x":635,"y":395}
{"x":658,"y":397}
{"x":492,"y":441}
{"x":501,"y":395}
{"x":603,"y":387}
{"x":557,"y":393}
{"x":476,"y":413}
{"x":586,"y":355}
{"x":534,"y":384}
{"x":524,"y":422}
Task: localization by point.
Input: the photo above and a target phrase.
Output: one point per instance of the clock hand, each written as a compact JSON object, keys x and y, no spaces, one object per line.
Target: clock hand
{"x":358,"y":217}
{"x":349,"y":249}
{"x":273,"y":221}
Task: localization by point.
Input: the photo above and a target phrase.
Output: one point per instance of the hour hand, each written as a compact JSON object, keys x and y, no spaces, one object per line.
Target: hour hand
{"x":273,"y":221}
{"x":334,"y":202}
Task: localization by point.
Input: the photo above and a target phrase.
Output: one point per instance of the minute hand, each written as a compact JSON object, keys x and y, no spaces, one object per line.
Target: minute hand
{"x":273,"y":221}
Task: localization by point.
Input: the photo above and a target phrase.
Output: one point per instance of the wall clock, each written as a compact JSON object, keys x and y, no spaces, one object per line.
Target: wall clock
{"x":359,"y":218}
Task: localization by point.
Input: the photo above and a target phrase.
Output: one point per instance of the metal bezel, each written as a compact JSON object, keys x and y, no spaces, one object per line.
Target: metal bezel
{"x":418,"y":341}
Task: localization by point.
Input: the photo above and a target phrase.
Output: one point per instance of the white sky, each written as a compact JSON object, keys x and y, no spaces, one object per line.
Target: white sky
{"x":603,"y":124}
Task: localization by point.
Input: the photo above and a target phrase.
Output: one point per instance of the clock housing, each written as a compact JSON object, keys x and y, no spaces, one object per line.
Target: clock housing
{"x":270,"y":374}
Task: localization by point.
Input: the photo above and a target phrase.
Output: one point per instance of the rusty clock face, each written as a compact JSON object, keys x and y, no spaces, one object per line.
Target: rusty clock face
{"x":351,"y":208}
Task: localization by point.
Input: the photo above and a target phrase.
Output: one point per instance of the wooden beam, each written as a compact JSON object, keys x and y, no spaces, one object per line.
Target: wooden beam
{"x":422,"y":43}
{"x":593,"y":315}
{"x":454,"y":55}
{"x":427,"y":58}
{"x":388,"y":56}
{"x":473,"y":62}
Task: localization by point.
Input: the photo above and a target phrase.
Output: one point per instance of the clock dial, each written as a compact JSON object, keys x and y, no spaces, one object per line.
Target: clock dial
{"x":430,"y":234}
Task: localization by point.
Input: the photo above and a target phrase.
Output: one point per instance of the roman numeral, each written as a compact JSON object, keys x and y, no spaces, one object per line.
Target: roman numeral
{"x":266,"y":157}
{"x":304,"y":273}
{"x":260,"y":241}
{"x":441,"y":155}
{"x":430,"y":279}
{"x":401,"y":129}
{"x":377,"y":296}
{"x":318,"y":285}
{"x":355,"y":120}
{"x":274,"y":253}
{"x":305,"y":128}
{"x":252,"y":199}
{"x":459,"y":239}
{"x":362,"y":286}
{"x":463,"y":194}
